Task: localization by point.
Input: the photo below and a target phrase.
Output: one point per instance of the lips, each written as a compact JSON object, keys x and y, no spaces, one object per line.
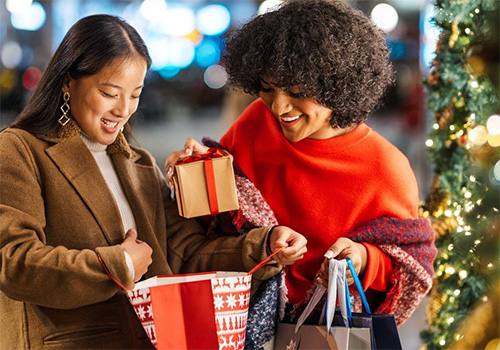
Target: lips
{"x":289,"y":120}
{"x":108,"y":123}
{"x":109,"y":126}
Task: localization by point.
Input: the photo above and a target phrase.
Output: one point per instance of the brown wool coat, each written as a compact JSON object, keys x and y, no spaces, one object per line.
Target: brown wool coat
{"x":57,"y":215}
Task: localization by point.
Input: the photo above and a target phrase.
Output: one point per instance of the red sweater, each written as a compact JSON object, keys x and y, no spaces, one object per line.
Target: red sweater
{"x":324,"y":189}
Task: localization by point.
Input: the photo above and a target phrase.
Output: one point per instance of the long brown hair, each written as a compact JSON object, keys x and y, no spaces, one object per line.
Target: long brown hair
{"x":91,"y":44}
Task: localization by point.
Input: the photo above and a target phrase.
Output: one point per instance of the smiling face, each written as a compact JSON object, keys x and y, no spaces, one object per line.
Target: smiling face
{"x":299,"y":117}
{"x":102,"y":103}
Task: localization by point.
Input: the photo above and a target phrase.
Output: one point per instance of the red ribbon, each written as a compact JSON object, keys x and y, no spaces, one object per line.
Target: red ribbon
{"x":211,"y":154}
{"x":209,"y":174}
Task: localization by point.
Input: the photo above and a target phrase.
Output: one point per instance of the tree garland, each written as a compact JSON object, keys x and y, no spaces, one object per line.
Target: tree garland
{"x":464,"y":149}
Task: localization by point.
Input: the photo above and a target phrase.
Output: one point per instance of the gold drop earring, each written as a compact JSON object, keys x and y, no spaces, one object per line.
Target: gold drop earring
{"x":64,"y":119}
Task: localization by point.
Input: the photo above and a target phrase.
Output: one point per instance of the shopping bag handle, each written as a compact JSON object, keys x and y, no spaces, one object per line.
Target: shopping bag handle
{"x":357,"y":282}
{"x":266,"y":260}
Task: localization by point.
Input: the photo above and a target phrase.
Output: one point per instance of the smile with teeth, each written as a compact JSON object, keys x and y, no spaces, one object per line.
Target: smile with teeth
{"x":108,"y":123}
{"x":290,"y":119}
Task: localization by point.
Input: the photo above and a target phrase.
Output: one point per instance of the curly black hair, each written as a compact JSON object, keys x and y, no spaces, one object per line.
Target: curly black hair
{"x":333,"y":52}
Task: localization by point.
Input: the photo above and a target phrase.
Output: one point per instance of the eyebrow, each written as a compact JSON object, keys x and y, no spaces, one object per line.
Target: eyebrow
{"x":119,"y":87}
{"x":265,"y":82}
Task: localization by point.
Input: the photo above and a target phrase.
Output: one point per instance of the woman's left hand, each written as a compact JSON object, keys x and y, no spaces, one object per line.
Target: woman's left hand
{"x":295,"y":245}
{"x":345,"y":248}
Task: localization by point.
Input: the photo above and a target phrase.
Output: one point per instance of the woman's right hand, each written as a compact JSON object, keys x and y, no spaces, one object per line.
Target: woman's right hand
{"x":140,"y":253}
{"x":191,"y":147}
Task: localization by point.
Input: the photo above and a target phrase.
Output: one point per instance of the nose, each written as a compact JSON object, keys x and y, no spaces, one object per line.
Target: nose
{"x":281,"y":103}
{"x":122,"y":108}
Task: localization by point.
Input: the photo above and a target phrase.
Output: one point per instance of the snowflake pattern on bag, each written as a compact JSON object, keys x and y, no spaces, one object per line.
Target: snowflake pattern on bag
{"x":231,"y":297}
{"x":141,"y":302}
{"x":231,"y":300}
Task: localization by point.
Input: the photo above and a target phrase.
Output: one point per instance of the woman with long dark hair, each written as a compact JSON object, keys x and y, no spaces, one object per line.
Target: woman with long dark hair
{"x":84,"y":214}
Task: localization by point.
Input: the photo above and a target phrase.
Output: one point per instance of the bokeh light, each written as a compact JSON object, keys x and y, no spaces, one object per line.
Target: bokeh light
{"x":208,"y":53}
{"x":169,"y":73}
{"x":213,"y":19}
{"x":11,"y":54}
{"x":215,"y":76}
{"x":153,"y":10}
{"x":493,"y":124}
{"x":31,"y":77}
{"x":430,"y":37}
{"x":33,"y":18}
{"x":385,"y":17}
{"x":494,"y":140}
{"x":496,"y":171}
{"x":269,"y":5}
{"x":178,"y":21}
{"x":170,"y":52}
{"x":18,"y":6}
{"x":479,"y":135}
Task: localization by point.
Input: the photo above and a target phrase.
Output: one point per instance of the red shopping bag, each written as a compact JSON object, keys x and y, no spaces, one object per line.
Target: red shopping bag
{"x":195,"y":311}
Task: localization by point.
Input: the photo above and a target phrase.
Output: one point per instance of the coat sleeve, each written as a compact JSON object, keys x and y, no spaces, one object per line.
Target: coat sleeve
{"x":31,"y":270}
{"x":190,"y":250}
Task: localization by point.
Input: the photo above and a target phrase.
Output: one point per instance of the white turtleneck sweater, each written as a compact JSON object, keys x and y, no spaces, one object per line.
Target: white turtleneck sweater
{"x":108,"y":171}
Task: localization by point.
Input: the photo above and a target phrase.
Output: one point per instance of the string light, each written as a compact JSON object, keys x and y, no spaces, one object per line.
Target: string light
{"x":474,"y":84}
{"x":429,"y":143}
{"x":452,"y":127}
{"x":457,"y":292}
{"x":462,"y":274}
{"x":435,"y":126}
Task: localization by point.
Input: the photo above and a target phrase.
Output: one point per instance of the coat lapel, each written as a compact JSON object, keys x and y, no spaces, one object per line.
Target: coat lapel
{"x":138,"y":183}
{"x":76,"y":163}
{"x":141,"y":188}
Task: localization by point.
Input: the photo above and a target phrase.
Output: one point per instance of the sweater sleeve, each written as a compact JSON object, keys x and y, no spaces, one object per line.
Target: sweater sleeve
{"x":378,"y":269}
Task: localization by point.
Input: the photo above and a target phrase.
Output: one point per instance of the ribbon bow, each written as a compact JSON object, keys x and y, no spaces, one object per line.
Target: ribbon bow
{"x":211,"y":154}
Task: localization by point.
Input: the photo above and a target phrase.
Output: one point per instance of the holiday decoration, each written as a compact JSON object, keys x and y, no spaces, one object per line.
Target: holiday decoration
{"x":464,"y":147}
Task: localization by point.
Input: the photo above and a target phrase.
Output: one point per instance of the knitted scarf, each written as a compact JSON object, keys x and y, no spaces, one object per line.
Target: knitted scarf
{"x":409,"y":243}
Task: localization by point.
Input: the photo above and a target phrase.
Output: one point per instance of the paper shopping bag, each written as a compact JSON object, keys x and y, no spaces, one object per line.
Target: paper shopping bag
{"x":204,"y":185}
{"x":195,"y":311}
{"x":340,"y":333}
{"x":315,"y":337}
{"x":198,"y":311}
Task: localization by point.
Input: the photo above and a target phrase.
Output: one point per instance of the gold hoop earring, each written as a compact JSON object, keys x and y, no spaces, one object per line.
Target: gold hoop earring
{"x":65,"y":109}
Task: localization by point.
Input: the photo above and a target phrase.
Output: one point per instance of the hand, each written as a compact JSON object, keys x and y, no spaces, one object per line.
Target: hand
{"x":344,"y":248}
{"x":140,"y":253}
{"x":283,"y":236}
{"x":191,"y":146}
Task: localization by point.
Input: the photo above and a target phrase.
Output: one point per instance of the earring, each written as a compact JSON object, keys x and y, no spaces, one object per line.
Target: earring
{"x":65,"y":109}
{"x":122,"y":128}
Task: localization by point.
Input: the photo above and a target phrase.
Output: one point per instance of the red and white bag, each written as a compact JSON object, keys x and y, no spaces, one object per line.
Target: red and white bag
{"x":195,"y":311}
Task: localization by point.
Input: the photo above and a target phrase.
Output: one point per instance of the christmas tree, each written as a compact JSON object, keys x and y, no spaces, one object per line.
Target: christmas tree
{"x":464,"y":149}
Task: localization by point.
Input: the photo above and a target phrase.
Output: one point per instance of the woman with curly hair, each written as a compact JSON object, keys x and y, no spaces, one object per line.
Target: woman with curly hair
{"x":320,"y":68}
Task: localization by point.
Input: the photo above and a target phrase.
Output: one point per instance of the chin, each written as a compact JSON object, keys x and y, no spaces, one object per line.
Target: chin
{"x":107,"y":140}
{"x":292,"y":137}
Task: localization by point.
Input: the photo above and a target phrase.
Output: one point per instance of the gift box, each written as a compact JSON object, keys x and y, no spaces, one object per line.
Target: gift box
{"x":195,"y":311}
{"x":204,"y":185}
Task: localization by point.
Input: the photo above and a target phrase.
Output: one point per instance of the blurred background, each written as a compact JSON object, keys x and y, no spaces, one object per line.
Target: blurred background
{"x":186,"y":93}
